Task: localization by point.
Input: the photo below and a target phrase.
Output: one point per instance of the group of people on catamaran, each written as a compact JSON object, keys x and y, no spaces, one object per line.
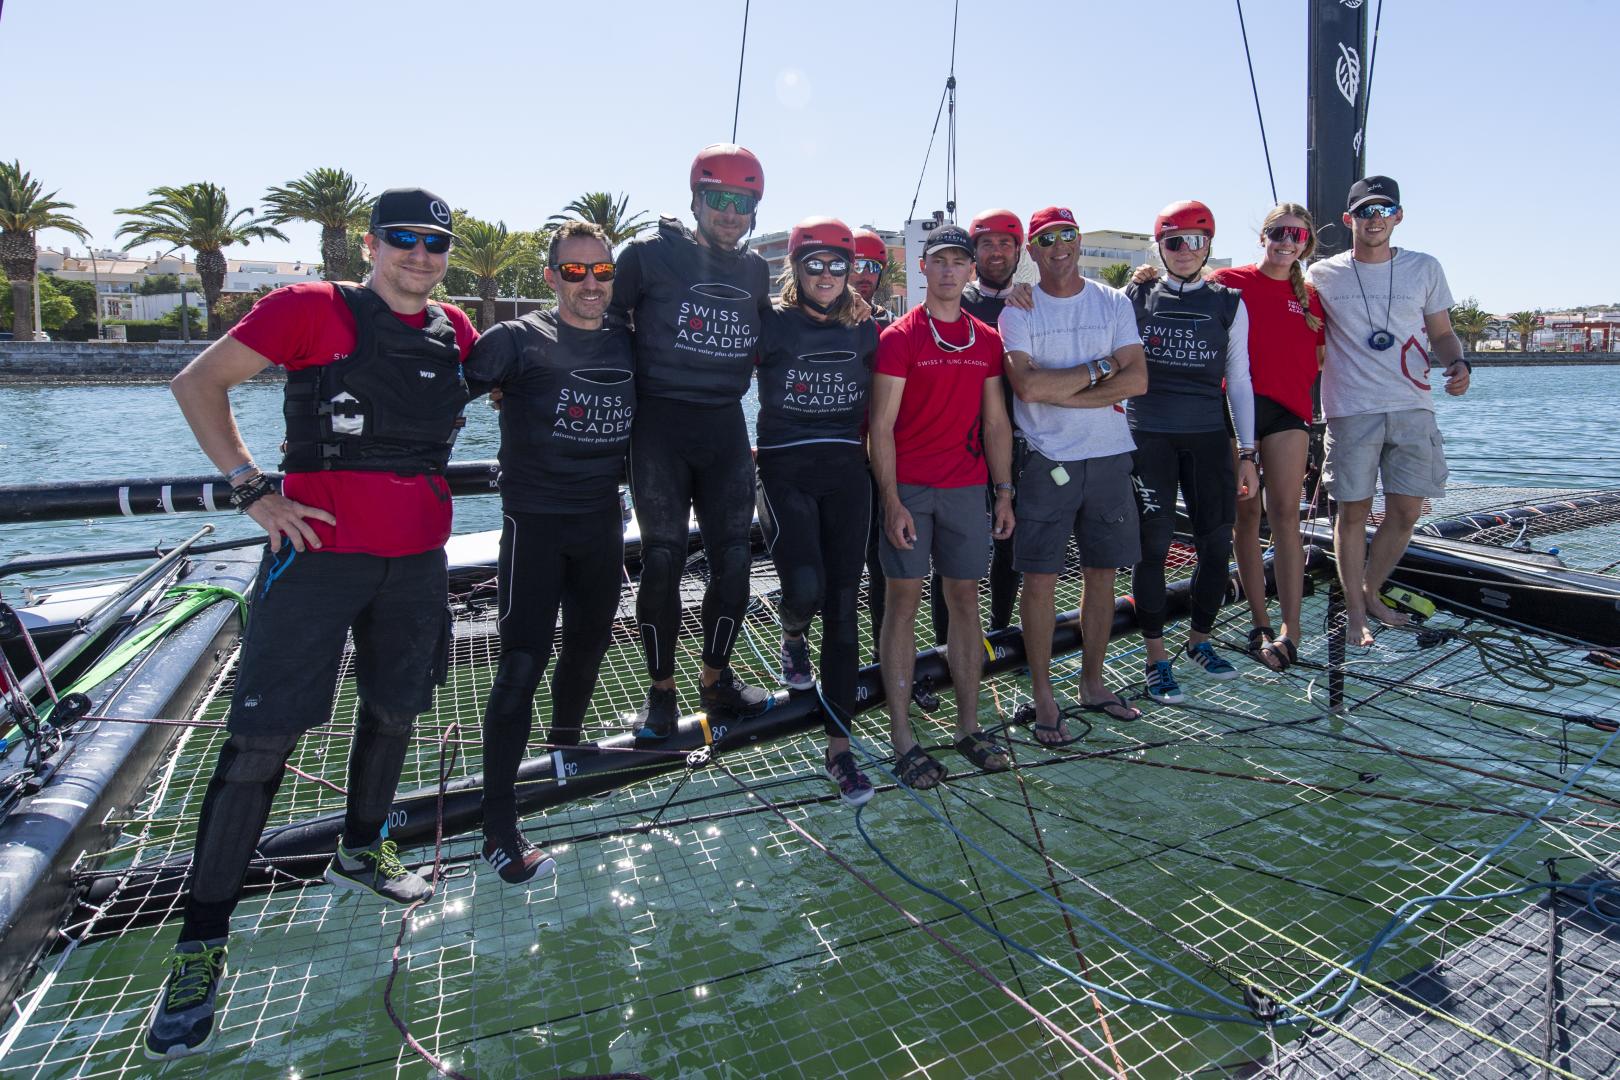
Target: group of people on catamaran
{"x":976,"y":434}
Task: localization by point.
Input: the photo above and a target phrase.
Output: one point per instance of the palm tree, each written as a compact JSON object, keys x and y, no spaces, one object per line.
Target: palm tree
{"x":892,"y":282}
{"x":332,"y":199}
{"x":1524,"y":324}
{"x":598,"y":206}
{"x":25,"y":208}
{"x":1117,"y":274}
{"x":197,"y":216}
{"x":485,"y":251}
{"x":1470,"y":323}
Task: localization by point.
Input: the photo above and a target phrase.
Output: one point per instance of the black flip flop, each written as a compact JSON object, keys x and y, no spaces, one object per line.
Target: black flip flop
{"x":1025,"y":716}
{"x":1115,"y":708}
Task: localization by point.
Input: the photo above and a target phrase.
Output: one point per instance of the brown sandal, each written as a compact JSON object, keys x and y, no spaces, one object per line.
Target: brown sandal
{"x":983,"y":751}
{"x":917,"y":770}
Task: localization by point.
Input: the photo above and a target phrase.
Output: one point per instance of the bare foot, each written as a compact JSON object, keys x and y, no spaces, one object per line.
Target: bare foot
{"x":1356,"y":633}
{"x":1384,"y":613}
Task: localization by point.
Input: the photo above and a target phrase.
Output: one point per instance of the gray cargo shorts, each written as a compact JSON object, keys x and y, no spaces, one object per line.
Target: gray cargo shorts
{"x":953,"y":534}
{"x":1097,"y":505}
{"x":1404,"y":446}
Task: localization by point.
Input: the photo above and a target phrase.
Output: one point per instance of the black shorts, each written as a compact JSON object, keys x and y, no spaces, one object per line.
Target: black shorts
{"x":304,"y":605}
{"x":1270,"y":418}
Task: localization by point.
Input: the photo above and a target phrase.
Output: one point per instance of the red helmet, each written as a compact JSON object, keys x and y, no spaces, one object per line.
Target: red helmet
{"x":997,"y":221}
{"x":1189,"y":214}
{"x":869,"y":245}
{"x":728,"y":165}
{"x":821,"y":234}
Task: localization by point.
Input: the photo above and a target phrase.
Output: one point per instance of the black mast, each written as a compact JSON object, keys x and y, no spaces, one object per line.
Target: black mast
{"x":1335,"y":119}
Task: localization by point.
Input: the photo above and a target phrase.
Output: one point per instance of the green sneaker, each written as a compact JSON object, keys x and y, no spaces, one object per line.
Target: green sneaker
{"x":376,"y":869}
{"x":182,"y":1018}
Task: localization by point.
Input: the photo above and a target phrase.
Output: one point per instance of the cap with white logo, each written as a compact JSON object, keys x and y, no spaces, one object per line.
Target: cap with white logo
{"x":411,"y":208}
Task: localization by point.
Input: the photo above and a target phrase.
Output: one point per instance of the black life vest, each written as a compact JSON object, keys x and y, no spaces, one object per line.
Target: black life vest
{"x":392,"y":405}
{"x":1184,"y":335}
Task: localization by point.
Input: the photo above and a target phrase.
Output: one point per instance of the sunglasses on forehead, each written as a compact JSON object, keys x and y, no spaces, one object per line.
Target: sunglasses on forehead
{"x":719,"y":200}
{"x":1287,"y":234}
{"x":1191,"y":242}
{"x":405,"y":240}
{"x":574,"y":272}
{"x":1052,"y":236}
{"x":1372,"y":210}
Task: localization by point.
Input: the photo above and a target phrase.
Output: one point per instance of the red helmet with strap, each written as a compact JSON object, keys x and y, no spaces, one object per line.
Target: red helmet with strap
{"x":869,"y":245}
{"x":997,"y":221}
{"x":727,"y":165}
{"x":1189,"y":215}
{"x":821,"y":234}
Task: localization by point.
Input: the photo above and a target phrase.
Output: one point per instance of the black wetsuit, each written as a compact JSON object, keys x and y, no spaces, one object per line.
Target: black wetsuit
{"x":1183,"y":439}
{"x":568,"y":401}
{"x":404,"y":391}
{"x":814,"y":490}
{"x":695,"y":312}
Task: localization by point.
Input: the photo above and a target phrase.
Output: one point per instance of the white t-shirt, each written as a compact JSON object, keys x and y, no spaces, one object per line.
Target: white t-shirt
{"x":1361,"y":298}
{"x":1064,"y":332}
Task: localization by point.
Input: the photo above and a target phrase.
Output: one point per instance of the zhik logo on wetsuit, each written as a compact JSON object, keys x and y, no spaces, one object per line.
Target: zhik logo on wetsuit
{"x":712,"y":322}
{"x":810,"y":391}
{"x":587,"y":414}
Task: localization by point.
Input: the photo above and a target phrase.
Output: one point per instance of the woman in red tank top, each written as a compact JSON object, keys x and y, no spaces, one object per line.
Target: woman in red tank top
{"x":1285,"y":347}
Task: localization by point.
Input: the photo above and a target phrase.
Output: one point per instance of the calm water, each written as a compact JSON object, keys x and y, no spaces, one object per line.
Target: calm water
{"x":1546,"y":426}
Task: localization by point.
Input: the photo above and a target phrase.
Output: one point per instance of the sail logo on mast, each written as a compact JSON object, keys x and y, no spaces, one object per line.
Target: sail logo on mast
{"x":1347,"y":72}
{"x":1351,"y":4}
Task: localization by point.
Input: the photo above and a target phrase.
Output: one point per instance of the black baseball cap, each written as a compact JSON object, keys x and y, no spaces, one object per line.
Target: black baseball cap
{"x":1373,"y":189}
{"x":411,"y":208}
{"x":948,"y":236}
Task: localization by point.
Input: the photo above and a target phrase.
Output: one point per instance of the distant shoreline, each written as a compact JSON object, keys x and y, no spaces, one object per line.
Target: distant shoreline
{"x":155,"y":365}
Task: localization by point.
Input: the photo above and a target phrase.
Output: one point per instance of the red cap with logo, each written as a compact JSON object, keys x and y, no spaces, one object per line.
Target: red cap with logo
{"x":1051,"y":217}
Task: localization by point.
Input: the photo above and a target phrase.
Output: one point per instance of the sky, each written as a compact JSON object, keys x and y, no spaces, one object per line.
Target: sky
{"x":1494,"y":116}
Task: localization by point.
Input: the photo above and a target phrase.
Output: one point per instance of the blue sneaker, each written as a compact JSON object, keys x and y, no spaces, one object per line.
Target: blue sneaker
{"x":182,"y":1018}
{"x":1215,"y":666}
{"x":1162,"y":686}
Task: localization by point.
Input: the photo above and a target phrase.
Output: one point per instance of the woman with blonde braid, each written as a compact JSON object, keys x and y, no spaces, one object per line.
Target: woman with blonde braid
{"x":1285,"y":350}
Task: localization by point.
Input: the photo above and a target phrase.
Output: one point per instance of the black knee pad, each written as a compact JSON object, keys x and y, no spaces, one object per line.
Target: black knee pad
{"x":801,"y":598}
{"x":517,"y":678}
{"x":730,"y":562}
{"x":664,"y":557}
{"x":1215,"y":545}
{"x":388,"y":723}
{"x":1157,"y":530}
{"x":256,"y":759}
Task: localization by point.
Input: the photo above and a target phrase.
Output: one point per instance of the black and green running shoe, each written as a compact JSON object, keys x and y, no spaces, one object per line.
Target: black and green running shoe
{"x":376,"y":869}
{"x":182,"y":1018}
